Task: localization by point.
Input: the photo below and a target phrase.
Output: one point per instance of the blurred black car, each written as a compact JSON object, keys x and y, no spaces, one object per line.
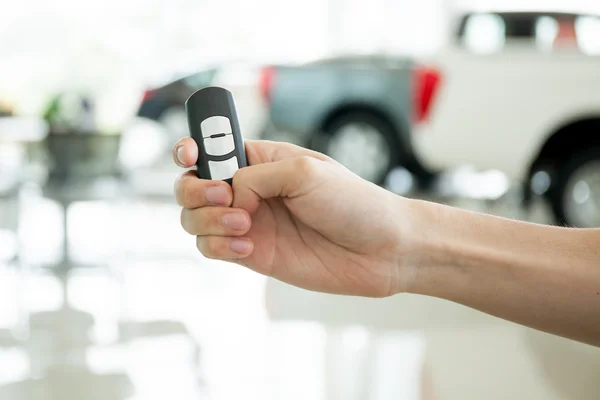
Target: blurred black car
{"x":166,"y":104}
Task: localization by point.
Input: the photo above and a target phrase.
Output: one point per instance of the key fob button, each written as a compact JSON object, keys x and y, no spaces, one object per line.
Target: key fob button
{"x":215,"y":125}
{"x":220,"y":170}
{"x":219,"y":146}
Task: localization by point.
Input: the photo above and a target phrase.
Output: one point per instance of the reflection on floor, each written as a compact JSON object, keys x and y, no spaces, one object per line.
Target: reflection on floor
{"x":144,"y":316}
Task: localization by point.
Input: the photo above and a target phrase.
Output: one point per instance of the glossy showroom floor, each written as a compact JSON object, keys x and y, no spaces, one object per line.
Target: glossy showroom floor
{"x":141,"y":315}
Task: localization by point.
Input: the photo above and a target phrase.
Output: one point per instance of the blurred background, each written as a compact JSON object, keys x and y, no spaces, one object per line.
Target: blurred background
{"x":488,"y":106}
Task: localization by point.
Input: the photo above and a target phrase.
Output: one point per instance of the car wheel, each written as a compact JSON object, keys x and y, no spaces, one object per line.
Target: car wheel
{"x":575,"y":196}
{"x":361,"y":142}
{"x":174,"y":121}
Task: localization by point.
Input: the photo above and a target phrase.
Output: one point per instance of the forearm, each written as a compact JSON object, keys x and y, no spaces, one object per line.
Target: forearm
{"x":544,"y":277}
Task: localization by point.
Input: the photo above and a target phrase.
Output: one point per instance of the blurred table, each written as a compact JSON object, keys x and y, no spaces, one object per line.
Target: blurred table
{"x":81,"y":167}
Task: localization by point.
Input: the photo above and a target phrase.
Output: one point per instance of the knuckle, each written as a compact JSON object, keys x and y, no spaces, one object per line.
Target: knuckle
{"x":239,"y":176}
{"x":214,"y":246}
{"x":306,"y":165}
{"x":187,"y":193}
{"x":208,"y":220}
{"x":201,"y":221}
{"x":240,"y":181}
{"x":182,"y":191}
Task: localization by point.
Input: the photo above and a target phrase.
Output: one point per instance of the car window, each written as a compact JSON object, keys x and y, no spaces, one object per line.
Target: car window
{"x":493,"y":32}
{"x":341,"y":61}
{"x":362,"y":61}
{"x":200,"y":79}
{"x":546,"y":31}
{"x":484,"y":33}
{"x":588,"y":34}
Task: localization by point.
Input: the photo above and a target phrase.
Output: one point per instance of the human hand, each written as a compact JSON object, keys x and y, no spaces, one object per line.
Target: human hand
{"x":298,"y":216}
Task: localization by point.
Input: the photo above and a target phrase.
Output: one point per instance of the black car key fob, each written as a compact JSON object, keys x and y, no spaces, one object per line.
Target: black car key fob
{"x":215,"y":128}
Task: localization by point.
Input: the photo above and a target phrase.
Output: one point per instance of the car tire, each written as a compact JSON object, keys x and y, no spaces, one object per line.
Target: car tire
{"x":362,"y":142}
{"x":575,"y":193}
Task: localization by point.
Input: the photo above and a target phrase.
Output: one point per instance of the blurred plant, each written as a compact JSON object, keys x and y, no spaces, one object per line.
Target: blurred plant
{"x":68,"y":112}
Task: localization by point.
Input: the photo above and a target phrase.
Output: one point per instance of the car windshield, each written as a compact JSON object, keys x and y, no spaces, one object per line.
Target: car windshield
{"x":357,"y":61}
{"x":201,"y":79}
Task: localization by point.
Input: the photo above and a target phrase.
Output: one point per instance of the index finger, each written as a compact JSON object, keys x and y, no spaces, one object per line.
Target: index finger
{"x":191,"y":192}
{"x":185,"y":152}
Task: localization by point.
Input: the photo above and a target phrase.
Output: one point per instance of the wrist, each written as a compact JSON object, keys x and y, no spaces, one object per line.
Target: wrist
{"x":413,"y":221}
{"x":449,"y":248}
{"x":433,"y":241}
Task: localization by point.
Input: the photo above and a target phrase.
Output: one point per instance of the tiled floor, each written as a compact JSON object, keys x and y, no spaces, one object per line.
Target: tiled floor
{"x":146,"y":317}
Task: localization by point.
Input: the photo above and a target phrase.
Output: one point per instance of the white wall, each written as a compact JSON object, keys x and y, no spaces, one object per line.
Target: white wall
{"x":116,"y":45}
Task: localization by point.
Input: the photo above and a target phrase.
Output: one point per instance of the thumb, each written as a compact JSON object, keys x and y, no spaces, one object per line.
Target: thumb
{"x":288,"y":178}
{"x":264,"y":151}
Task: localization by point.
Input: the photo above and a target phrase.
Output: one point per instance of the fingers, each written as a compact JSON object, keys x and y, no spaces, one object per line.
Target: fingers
{"x":287,"y":178}
{"x":277,"y":169}
{"x":224,"y":248}
{"x":215,"y":221}
{"x":185,"y":152}
{"x":191,"y":192}
{"x":275,"y":166}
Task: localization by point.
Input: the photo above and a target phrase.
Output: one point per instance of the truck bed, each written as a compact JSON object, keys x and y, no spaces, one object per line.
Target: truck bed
{"x":302,"y":97}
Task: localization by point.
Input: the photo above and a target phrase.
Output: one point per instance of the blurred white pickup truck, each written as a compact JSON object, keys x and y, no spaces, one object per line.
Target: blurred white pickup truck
{"x":519,"y":92}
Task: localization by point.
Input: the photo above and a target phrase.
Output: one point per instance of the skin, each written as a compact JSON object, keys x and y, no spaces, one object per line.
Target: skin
{"x":300,"y":217}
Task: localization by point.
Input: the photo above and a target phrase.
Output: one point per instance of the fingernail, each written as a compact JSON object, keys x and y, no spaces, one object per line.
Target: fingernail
{"x":235,"y":221}
{"x":217,"y":195}
{"x":241,"y":246}
{"x":180,"y":156}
